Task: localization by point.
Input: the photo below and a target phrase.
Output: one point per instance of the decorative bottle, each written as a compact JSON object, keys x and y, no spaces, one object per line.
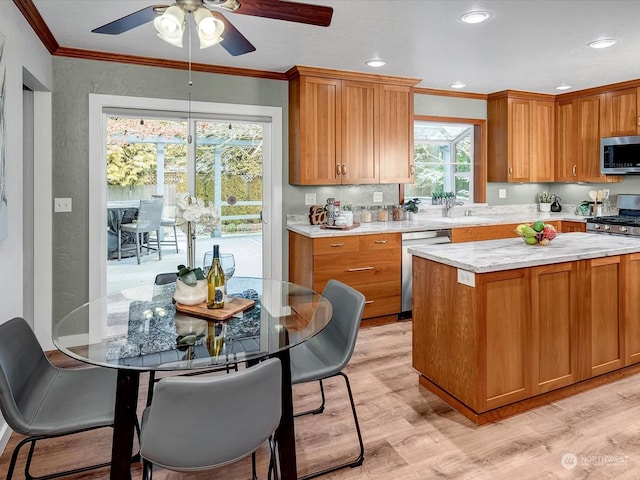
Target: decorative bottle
{"x":215,"y":281}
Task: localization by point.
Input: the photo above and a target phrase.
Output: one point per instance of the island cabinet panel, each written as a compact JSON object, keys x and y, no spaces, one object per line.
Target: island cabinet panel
{"x":506,"y":351}
{"x":554,"y":326}
{"x":518,"y":336}
{"x":630,"y":287}
{"x":369,"y":263}
{"x":606,"y":328}
{"x":569,"y":226}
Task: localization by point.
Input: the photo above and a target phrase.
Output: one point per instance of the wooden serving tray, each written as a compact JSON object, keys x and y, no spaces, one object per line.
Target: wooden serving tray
{"x":230,"y":308}
{"x":341,"y":227}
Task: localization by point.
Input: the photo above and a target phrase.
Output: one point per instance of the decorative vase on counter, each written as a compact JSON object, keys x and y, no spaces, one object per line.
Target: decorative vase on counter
{"x":190,"y":295}
{"x":413,"y":216}
{"x":545,"y":207}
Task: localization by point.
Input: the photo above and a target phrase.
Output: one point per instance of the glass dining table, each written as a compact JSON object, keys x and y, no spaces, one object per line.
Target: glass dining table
{"x":140,"y":330}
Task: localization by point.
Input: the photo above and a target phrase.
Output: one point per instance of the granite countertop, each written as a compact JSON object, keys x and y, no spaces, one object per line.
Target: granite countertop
{"x":427,"y":222}
{"x":511,"y":253}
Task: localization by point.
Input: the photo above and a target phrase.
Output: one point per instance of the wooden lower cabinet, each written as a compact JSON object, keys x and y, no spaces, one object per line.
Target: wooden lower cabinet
{"x":489,"y":232}
{"x":567,"y":226}
{"x":521,"y":333}
{"x":369,"y":263}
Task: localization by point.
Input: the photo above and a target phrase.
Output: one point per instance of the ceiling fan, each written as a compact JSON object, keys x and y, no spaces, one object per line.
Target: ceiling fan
{"x":169,"y":20}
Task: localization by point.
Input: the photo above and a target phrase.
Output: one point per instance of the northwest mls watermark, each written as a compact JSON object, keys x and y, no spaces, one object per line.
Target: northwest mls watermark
{"x":571,"y":461}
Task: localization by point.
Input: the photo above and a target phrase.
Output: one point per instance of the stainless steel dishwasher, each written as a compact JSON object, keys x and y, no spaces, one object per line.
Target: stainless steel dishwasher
{"x":414,"y":239}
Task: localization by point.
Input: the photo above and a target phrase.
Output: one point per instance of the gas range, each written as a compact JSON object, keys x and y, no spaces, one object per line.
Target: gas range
{"x":626,"y":223}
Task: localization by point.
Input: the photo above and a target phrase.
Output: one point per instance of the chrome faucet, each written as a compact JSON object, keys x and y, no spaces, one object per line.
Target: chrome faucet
{"x":449,"y":203}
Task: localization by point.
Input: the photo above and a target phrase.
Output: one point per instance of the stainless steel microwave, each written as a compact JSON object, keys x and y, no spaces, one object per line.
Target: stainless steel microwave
{"x":620,"y":155}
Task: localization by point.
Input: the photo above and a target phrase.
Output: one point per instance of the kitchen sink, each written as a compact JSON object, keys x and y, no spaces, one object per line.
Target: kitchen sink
{"x":464,"y":220}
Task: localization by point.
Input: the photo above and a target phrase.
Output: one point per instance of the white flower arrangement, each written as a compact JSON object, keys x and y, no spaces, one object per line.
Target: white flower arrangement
{"x":194,"y":210}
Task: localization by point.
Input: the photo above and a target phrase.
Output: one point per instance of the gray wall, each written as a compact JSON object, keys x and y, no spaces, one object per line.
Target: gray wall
{"x":73,"y":81}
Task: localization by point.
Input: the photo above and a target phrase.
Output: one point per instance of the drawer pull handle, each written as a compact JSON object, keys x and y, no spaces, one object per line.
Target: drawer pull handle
{"x":337,"y":244}
{"x":360,"y":269}
{"x":369,"y":301}
{"x":380,"y":241}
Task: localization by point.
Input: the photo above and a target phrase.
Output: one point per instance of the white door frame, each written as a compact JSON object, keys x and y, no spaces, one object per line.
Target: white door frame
{"x":272,"y":176}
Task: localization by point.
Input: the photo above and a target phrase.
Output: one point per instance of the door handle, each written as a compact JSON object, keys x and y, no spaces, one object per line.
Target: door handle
{"x":337,"y":245}
{"x":361,"y":269}
{"x":381,"y":241}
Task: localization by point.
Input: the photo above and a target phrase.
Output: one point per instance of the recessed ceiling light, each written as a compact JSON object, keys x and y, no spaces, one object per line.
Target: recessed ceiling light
{"x":376,"y":62}
{"x":563,"y":87}
{"x":478,"y":16}
{"x":458,"y":85}
{"x":602,"y":43}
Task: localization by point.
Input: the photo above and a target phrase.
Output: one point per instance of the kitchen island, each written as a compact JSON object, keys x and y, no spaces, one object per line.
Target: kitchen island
{"x":500,"y":327}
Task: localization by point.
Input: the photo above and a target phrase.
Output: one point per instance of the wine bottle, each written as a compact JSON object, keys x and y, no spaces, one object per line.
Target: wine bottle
{"x":215,"y":281}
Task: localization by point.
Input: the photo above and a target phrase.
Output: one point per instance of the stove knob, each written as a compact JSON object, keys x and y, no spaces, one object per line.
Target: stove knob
{"x":623,"y":229}
{"x":607,"y":227}
{"x":596,"y":226}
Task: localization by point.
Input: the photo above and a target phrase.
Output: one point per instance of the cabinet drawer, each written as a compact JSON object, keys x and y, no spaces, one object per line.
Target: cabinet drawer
{"x":335,"y":245}
{"x":379,"y":242}
{"x":357,"y":268}
{"x":381,"y":299}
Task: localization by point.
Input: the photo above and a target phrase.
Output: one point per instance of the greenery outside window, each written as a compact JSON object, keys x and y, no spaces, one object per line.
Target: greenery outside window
{"x":443,"y":158}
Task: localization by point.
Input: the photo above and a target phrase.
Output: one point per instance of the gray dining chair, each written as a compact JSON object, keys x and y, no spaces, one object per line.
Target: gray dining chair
{"x":200,"y":423}
{"x":326,"y":354}
{"x":149,"y":218}
{"x":40,"y":400}
{"x":170,"y":222}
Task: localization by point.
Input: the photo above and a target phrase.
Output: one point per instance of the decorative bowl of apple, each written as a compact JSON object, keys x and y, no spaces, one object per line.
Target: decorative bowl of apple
{"x":537,"y":233}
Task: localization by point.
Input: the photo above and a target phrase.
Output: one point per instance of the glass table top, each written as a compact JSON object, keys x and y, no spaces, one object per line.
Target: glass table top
{"x":140,"y":328}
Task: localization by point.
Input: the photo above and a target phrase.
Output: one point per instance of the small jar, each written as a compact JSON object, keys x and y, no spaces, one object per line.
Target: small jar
{"x":396,"y":213}
{"x":365,"y":215}
{"x":356,"y":215}
{"x":383,"y":214}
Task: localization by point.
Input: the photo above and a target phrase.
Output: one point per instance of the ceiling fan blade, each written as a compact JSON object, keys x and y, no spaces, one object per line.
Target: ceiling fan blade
{"x":289,"y":11}
{"x":232,"y":40}
{"x":132,"y":20}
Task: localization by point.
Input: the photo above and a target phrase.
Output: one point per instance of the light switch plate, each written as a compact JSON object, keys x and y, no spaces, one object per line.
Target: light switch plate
{"x":466,"y":278}
{"x":62,"y":205}
{"x":502,"y":193}
{"x":309,"y":198}
{"x":377,"y":197}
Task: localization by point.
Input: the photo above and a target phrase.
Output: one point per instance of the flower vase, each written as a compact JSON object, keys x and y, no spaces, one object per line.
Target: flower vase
{"x":190,"y":295}
{"x":191,"y":245}
{"x":545,"y":207}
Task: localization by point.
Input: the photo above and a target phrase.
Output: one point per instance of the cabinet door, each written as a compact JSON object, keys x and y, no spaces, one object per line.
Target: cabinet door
{"x":359,"y":133}
{"x":541,"y":138}
{"x":606,"y":327}
{"x":554,"y":326}
{"x":396,"y":134}
{"x":631,"y":305}
{"x":589,"y":118}
{"x":621,"y":113}
{"x":506,"y":352}
{"x":568,"y":226}
{"x":318,"y":133}
{"x":519,"y":139}
{"x":566,"y":148}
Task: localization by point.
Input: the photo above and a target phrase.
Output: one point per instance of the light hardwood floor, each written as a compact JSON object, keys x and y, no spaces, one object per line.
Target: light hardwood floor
{"x":410,"y":434}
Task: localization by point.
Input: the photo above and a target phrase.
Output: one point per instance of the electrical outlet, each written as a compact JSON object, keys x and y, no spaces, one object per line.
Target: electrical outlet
{"x":377,"y":197}
{"x":309,"y":198}
{"x":502,"y":193}
{"x":62,"y":205}
{"x":466,"y":278}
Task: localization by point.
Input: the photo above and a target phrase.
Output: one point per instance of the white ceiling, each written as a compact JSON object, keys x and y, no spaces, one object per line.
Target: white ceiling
{"x":531,"y":45}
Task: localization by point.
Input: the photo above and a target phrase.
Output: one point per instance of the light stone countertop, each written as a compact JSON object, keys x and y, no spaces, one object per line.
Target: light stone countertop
{"x":431,"y":222}
{"x":511,"y":253}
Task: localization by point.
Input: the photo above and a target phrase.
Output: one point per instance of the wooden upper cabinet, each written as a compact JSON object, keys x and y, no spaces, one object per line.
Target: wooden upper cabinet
{"x":359,"y":149}
{"x":622,"y":113}
{"x":396,"y":134}
{"x":580,"y":123}
{"x":314,"y":131}
{"x":349,"y":127}
{"x":521,"y":136}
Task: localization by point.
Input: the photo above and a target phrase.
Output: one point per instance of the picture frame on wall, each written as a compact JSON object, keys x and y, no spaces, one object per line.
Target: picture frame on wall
{"x":3,"y":144}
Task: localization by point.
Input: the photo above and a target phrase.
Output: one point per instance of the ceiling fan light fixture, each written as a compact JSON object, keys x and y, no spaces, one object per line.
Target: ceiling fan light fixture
{"x":477,"y":16}
{"x":170,"y":25}
{"x":209,"y":27}
{"x":602,"y":43}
